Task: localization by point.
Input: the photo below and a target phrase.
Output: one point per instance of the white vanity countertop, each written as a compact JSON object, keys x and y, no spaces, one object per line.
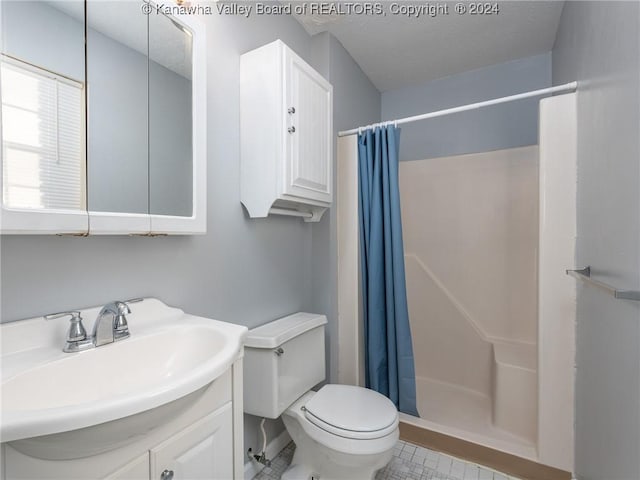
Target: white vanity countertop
{"x":169,"y":355}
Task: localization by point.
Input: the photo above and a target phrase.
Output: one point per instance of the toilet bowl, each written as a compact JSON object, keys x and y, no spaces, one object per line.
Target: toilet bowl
{"x":350,"y":434}
{"x":341,"y":432}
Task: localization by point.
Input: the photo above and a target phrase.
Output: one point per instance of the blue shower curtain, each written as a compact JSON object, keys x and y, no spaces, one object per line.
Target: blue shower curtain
{"x":388,"y":351}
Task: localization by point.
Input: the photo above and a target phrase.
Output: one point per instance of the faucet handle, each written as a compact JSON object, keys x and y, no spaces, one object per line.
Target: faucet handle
{"x":133,"y":300}
{"x":71,"y":313}
{"x":120,"y":310}
{"x":76,"y":333}
{"x":120,"y":324}
{"x":76,"y":330}
{"x":118,"y":307}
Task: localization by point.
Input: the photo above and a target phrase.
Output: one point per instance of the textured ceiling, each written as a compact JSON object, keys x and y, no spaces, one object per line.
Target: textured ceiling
{"x":396,"y":51}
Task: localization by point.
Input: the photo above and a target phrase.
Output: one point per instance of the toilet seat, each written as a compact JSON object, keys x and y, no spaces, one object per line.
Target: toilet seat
{"x":296,"y":421}
{"x":352,"y":412}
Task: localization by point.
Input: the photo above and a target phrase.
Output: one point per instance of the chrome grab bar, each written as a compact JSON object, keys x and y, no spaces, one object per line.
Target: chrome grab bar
{"x":584,"y":274}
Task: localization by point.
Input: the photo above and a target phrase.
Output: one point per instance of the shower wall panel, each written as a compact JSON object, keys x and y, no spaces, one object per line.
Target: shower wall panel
{"x":470,"y":226}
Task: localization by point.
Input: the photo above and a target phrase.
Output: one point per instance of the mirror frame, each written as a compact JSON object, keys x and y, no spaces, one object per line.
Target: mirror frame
{"x":87,"y":222}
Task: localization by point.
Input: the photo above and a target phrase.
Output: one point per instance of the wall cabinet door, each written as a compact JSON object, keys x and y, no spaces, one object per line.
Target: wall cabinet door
{"x":309,"y":130}
{"x":286,"y":134}
{"x":202,"y":451}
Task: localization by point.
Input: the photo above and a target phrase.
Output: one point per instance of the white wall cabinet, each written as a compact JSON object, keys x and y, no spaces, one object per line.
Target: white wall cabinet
{"x":286,"y":134}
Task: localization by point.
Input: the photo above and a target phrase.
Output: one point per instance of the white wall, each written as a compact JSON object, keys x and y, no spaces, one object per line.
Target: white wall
{"x":556,"y":290}
{"x":598,"y":44}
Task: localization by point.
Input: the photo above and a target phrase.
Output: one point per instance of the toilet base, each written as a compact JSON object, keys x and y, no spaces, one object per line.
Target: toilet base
{"x":314,"y":460}
{"x":329,"y":467}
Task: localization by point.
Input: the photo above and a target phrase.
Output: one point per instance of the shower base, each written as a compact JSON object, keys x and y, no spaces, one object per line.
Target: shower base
{"x":465,"y":414}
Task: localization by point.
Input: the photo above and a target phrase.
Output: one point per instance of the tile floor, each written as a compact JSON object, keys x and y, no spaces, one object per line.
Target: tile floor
{"x":409,"y":462}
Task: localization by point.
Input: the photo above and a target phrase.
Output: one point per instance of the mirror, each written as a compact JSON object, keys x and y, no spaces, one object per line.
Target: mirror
{"x":170,"y":117}
{"x":139,"y":110}
{"x":97,"y":118}
{"x":43,"y":97}
{"x":117,"y":107}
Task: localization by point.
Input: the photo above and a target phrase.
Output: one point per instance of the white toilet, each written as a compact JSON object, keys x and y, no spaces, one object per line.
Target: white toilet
{"x":341,"y":432}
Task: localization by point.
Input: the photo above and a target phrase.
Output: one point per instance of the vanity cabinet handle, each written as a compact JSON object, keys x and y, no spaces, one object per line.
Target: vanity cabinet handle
{"x":291,"y":110}
{"x":291,"y":129}
{"x":279,"y":351}
{"x":166,"y":475}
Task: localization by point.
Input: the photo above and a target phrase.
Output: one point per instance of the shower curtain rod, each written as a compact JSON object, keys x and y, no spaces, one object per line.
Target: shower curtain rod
{"x":567,"y":87}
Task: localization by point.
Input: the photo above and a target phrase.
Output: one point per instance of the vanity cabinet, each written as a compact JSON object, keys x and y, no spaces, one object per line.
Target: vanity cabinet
{"x":286,"y":133}
{"x":203,"y":441}
{"x":138,"y":468}
{"x":201,"y":451}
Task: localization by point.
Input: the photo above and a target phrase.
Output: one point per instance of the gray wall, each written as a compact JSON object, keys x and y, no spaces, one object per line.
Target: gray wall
{"x":243,"y":271}
{"x":355,"y":102}
{"x":513,"y":124}
{"x":598,"y":45}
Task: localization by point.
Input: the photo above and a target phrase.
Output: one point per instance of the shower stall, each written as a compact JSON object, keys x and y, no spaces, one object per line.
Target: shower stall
{"x":470,"y":226}
{"x":487,"y":239}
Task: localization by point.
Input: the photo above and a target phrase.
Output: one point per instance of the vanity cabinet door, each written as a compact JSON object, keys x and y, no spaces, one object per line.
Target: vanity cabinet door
{"x":136,"y":469}
{"x":309,"y":131}
{"x":202,"y":451}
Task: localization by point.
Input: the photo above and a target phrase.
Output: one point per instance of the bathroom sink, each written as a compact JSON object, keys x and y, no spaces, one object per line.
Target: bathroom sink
{"x":169,"y":357}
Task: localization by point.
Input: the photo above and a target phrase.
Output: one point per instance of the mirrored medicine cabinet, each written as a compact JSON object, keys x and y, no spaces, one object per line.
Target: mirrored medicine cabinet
{"x":103,"y":119}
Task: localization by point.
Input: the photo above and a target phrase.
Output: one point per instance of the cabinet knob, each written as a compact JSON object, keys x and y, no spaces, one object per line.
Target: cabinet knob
{"x":291,"y":110}
{"x":166,"y":475}
{"x":291,"y":129}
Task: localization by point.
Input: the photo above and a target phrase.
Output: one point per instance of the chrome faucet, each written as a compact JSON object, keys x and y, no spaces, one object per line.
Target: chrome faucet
{"x":110,"y":326}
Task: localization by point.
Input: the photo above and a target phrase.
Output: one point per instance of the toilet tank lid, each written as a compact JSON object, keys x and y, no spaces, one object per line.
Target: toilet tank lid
{"x":277,"y":332}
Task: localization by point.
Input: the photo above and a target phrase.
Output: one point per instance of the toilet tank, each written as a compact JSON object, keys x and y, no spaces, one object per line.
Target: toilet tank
{"x":283,"y":360}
